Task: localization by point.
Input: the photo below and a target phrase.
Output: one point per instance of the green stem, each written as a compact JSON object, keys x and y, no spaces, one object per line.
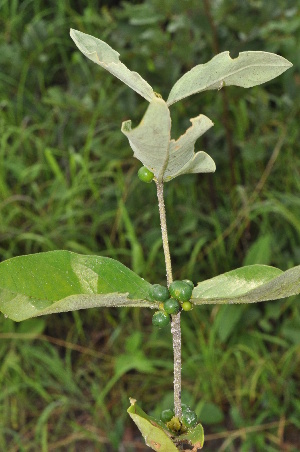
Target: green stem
{"x":175,"y":326}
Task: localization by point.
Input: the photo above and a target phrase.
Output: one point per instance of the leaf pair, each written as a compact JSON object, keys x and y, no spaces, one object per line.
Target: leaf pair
{"x":158,"y":436}
{"x":60,"y":281}
{"x":152,"y":145}
{"x":151,"y":141}
{"x":247,"y":70}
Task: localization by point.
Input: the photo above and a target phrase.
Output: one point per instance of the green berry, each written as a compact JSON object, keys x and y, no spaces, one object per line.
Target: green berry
{"x":145,"y":175}
{"x":171,"y":306}
{"x":167,"y":415}
{"x":187,"y":306}
{"x":189,"y":418}
{"x":180,"y":290}
{"x":160,"y":319}
{"x":159,"y":293}
{"x":188,"y":281}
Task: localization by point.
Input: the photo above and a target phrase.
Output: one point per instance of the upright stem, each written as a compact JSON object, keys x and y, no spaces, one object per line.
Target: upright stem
{"x":175,"y":325}
{"x":164,"y":232}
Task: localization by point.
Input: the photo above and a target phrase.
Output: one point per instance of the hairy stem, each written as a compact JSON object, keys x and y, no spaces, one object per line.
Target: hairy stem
{"x":164,"y":232}
{"x":176,"y":333}
{"x":175,"y":326}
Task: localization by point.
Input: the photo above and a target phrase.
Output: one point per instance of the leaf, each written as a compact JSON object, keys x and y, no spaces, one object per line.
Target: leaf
{"x":248,"y":285}
{"x":150,"y":139}
{"x":182,"y":159}
{"x":195,"y":437}
{"x":155,"y":435}
{"x":151,"y":144}
{"x":101,"y":53}
{"x":59,"y":281}
{"x":247,"y":70}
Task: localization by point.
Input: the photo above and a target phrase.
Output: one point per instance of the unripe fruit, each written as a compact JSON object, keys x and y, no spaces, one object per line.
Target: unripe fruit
{"x":189,"y":418}
{"x":171,"y":306}
{"x":180,"y":290}
{"x":160,"y":319}
{"x":187,"y":306}
{"x":166,"y":415}
{"x":174,"y":425}
{"x":145,"y":175}
{"x":159,"y":293}
{"x":188,"y":281}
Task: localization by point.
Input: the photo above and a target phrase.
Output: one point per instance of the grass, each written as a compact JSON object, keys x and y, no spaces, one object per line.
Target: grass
{"x":68,"y":181}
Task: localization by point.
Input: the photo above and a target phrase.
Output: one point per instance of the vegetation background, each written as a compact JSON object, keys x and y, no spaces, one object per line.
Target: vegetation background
{"x":68,"y":181}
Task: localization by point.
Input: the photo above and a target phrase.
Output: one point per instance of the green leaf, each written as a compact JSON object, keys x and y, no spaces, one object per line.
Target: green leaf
{"x":248,"y":69}
{"x":166,"y":158}
{"x":59,"y":281}
{"x":101,"y":53}
{"x":156,"y":436}
{"x":248,"y":285}
{"x":195,"y":437}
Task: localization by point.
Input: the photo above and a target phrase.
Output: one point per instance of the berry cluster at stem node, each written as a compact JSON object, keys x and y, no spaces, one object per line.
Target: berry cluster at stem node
{"x":188,"y":420}
{"x":172,"y":300}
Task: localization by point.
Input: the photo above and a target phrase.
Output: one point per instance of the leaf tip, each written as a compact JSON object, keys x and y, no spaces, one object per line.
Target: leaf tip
{"x":72,"y":33}
{"x":132,"y":401}
{"x":126,"y":126}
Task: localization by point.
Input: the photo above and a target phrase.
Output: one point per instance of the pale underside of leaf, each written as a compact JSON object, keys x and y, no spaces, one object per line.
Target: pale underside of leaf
{"x":151,"y":144}
{"x":182,"y":157}
{"x":101,"y":53}
{"x":150,"y":139}
{"x":248,"y":69}
{"x":59,"y":281}
{"x":248,"y":285}
{"x":20,"y":307}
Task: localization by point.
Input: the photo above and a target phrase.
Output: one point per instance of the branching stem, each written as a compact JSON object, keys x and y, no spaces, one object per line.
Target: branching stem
{"x":175,"y":326}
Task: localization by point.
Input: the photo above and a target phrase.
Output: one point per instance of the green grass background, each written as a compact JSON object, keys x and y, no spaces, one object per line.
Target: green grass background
{"x":68,"y":181}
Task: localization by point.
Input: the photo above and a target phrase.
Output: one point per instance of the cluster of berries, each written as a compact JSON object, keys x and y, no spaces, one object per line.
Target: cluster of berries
{"x":172,"y":300}
{"x":189,"y":417}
